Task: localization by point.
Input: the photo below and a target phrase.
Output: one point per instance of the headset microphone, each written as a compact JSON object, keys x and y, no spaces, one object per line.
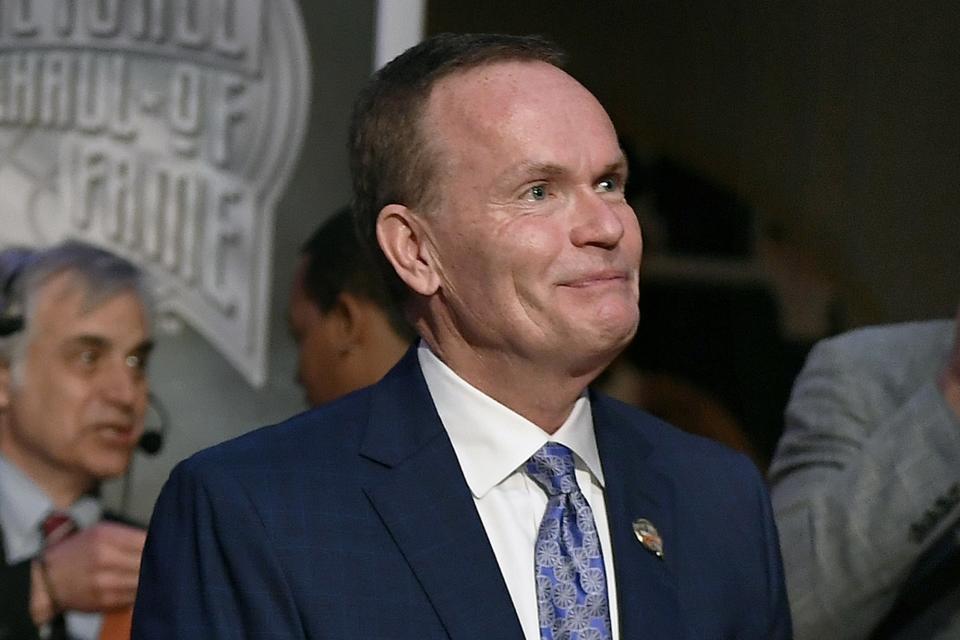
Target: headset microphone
{"x":11,"y":316}
{"x":10,"y":325}
{"x":151,"y":442}
{"x":152,"y":439}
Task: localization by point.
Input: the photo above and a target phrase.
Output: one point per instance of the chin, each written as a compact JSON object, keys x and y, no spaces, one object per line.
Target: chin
{"x":615,"y":330}
{"x":588,"y":355}
{"x":110,"y":465}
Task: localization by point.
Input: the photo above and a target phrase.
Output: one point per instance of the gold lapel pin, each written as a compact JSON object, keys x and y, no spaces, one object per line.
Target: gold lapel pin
{"x":648,"y":536}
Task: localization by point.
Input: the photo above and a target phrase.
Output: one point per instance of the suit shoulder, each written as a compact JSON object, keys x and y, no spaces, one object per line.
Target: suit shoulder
{"x":881,"y":365}
{"x":863,"y":346}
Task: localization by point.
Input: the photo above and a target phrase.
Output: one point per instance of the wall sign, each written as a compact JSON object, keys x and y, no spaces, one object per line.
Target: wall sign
{"x":163,"y":130}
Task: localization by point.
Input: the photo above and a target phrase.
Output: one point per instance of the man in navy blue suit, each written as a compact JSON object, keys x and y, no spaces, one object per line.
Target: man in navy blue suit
{"x":480,"y":490}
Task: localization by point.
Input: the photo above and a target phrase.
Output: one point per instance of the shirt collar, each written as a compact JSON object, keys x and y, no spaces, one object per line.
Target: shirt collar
{"x":491,"y":440}
{"x":24,"y":505}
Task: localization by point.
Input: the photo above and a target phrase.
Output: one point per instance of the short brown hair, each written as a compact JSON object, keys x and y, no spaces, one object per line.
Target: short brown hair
{"x":390,"y":157}
{"x":336,"y":262}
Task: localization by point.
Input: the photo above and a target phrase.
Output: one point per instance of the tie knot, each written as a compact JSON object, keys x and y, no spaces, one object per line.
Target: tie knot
{"x":57,"y":526}
{"x":552,"y":468}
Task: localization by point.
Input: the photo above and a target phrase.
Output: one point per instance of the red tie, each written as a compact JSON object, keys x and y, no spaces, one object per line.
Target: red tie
{"x":57,"y":526}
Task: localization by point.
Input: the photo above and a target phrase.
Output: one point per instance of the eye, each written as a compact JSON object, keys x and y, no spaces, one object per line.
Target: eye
{"x":609,"y":184}
{"x":537,"y":193}
{"x":137,"y":362}
{"x":88,"y":357}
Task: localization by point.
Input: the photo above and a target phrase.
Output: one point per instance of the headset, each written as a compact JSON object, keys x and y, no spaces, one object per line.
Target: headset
{"x":11,"y":315}
{"x":151,"y":442}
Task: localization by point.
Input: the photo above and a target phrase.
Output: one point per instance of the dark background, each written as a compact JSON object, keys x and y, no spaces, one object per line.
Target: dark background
{"x":796,"y":168}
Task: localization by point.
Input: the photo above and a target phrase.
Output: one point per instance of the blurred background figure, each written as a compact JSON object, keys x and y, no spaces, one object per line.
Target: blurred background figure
{"x":76,"y":335}
{"x":723,"y":331}
{"x":866,"y":485}
{"x":347,"y":328}
{"x":679,"y":402}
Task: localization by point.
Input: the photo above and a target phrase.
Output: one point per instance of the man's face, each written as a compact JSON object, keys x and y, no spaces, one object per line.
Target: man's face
{"x":536,"y":249}
{"x":317,"y":345}
{"x":77,"y":410}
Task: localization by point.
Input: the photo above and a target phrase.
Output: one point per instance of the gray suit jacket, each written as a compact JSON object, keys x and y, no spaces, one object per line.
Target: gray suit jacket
{"x":866,"y":483}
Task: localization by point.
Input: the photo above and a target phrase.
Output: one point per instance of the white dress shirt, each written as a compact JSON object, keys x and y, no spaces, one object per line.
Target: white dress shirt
{"x":23,"y":507}
{"x":493,"y":443}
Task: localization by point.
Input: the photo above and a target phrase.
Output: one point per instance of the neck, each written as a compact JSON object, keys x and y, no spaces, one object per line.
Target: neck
{"x":382,"y":349}
{"x":62,"y":488}
{"x":544,"y":395}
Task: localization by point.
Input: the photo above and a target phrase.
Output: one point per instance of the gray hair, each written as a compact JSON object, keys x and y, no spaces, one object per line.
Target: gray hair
{"x":99,"y":275}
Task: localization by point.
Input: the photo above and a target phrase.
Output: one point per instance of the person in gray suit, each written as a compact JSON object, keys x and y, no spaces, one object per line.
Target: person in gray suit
{"x":866,"y":485}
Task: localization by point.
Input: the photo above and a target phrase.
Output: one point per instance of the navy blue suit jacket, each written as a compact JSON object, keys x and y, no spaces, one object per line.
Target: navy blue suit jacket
{"x":354,"y":521}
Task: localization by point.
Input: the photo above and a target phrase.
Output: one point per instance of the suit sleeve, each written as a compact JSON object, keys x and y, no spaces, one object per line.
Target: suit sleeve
{"x":780,"y":625}
{"x":209,"y":571}
{"x":862,"y":487}
{"x":15,"y":620}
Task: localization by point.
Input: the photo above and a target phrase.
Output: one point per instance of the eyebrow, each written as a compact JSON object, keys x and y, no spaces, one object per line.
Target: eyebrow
{"x":145,"y":348}
{"x":99,"y":342}
{"x":527,"y":169}
{"x":620,"y":166}
{"x":88,"y":340}
{"x":550,"y":170}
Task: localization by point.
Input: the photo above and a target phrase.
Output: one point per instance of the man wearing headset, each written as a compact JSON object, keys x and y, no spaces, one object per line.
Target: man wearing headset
{"x":74,"y":341}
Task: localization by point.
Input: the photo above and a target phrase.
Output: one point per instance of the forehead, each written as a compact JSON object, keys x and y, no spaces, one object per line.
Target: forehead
{"x":520,"y":108}
{"x":61,"y":311}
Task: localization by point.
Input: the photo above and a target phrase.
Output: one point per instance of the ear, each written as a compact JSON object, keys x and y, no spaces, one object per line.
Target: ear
{"x":404,"y":242}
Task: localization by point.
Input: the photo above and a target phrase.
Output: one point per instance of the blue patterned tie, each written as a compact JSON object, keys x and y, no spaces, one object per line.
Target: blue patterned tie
{"x":571,"y":582}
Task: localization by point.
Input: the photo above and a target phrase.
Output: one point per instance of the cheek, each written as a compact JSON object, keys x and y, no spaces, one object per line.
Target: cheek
{"x":535,"y":243}
{"x":307,"y":363}
{"x":633,"y":235}
{"x":65,"y":404}
{"x":535,"y":255}
{"x":55,"y":423}
{"x":32,"y":416}
{"x":143,"y":402}
{"x":316,"y":356}
{"x":495,"y":268}
{"x":311,"y":372}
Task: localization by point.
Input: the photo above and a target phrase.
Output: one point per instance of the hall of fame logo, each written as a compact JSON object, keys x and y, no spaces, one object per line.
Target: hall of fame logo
{"x":162,"y":130}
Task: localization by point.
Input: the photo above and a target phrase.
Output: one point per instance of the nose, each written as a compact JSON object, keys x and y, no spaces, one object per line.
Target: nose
{"x":121,"y":385}
{"x":599,"y":222}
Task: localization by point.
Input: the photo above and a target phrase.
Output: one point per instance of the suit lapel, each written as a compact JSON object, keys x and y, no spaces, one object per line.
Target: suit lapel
{"x":647,"y":595}
{"x":413,"y":479}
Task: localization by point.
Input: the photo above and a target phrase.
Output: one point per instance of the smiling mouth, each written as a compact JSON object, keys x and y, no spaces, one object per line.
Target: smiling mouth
{"x":597,"y":279}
